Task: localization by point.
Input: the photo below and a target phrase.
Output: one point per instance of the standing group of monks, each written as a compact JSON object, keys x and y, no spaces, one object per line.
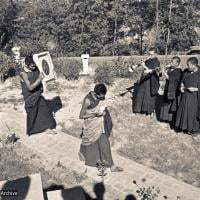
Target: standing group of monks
{"x":180,"y":103}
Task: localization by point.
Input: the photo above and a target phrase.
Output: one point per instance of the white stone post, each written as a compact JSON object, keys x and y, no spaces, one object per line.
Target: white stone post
{"x":85,"y":58}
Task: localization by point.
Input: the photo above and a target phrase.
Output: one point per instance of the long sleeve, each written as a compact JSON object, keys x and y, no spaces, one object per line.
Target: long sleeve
{"x":154,"y":63}
{"x":174,"y":81}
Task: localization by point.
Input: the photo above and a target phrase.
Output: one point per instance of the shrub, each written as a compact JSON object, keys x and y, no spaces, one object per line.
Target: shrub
{"x":107,"y":72}
{"x":68,"y":68}
{"x":6,"y":66}
{"x":104,"y":74}
{"x":121,"y":68}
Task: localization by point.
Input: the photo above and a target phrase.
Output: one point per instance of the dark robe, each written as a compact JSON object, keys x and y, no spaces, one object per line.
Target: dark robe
{"x":147,"y":89}
{"x":39,"y":115}
{"x":171,"y":95}
{"x":187,"y":118}
{"x":99,"y":150}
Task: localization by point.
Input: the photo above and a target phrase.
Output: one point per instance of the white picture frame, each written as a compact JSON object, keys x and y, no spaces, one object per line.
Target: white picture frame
{"x":42,"y":58}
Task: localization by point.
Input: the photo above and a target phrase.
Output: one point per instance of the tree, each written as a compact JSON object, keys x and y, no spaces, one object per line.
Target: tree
{"x":181,"y":26}
{"x":140,"y":17}
{"x":100,"y":27}
{"x":42,"y":24}
{"x":8,"y":14}
{"x":115,"y":14}
{"x":88,"y":27}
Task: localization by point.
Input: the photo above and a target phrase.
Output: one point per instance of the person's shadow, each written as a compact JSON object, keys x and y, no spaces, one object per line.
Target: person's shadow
{"x":130,"y":197}
{"x":19,"y":189}
{"x":75,"y":193}
{"x":99,"y":190}
{"x":78,"y":193}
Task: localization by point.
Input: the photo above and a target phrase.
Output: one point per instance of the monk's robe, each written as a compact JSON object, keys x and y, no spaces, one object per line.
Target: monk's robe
{"x":39,"y":115}
{"x":188,"y":113}
{"x":171,"y":97}
{"x":95,"y":144}
{"x":147,"y":89}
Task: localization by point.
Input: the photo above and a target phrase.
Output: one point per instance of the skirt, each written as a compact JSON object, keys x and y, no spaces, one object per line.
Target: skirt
{"x":165,"y":114}
{"x":186,"y":119}
{"x":40,"y":118}
{"x":97,"y":151}
{"x":144,"y":101}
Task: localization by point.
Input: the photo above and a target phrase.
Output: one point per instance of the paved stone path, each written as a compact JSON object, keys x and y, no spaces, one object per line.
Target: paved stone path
{"x":64,"y":148}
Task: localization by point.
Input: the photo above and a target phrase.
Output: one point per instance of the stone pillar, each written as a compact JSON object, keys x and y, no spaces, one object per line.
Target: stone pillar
{"x":85,"y":58}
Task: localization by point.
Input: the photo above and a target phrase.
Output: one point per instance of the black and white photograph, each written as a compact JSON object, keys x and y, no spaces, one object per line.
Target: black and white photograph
{"x":99,"y":100}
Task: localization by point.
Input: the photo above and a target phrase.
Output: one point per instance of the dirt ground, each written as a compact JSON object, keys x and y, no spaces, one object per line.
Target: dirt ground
{"x":140,"y":138}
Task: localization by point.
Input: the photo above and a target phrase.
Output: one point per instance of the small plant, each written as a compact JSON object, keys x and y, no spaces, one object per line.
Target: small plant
{"x":6,"y":66}
{"x":121,"y":68}
{"x":104,"y":74}
{"x":9,"y":139}
{"x":150,"y":193}
{"x":101,"y":167}
{"x":107,"y":72}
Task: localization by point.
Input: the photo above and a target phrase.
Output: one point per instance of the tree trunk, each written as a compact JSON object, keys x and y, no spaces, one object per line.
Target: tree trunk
{"x":168,"y":30}
{"x":82,"y":29}
{"x":115,"y":35}
{"x":157,"y":18}
{"x":141,"y":39}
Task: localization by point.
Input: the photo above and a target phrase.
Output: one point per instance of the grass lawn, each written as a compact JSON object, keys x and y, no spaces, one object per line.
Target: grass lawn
{"x":139,"y":138}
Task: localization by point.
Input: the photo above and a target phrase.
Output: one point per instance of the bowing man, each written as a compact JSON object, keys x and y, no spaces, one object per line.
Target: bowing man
{"x":95,"y":145}
{"x":148,"y":85}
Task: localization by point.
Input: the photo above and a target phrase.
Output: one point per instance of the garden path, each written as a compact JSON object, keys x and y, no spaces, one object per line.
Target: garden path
{"x":64,"y":148}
